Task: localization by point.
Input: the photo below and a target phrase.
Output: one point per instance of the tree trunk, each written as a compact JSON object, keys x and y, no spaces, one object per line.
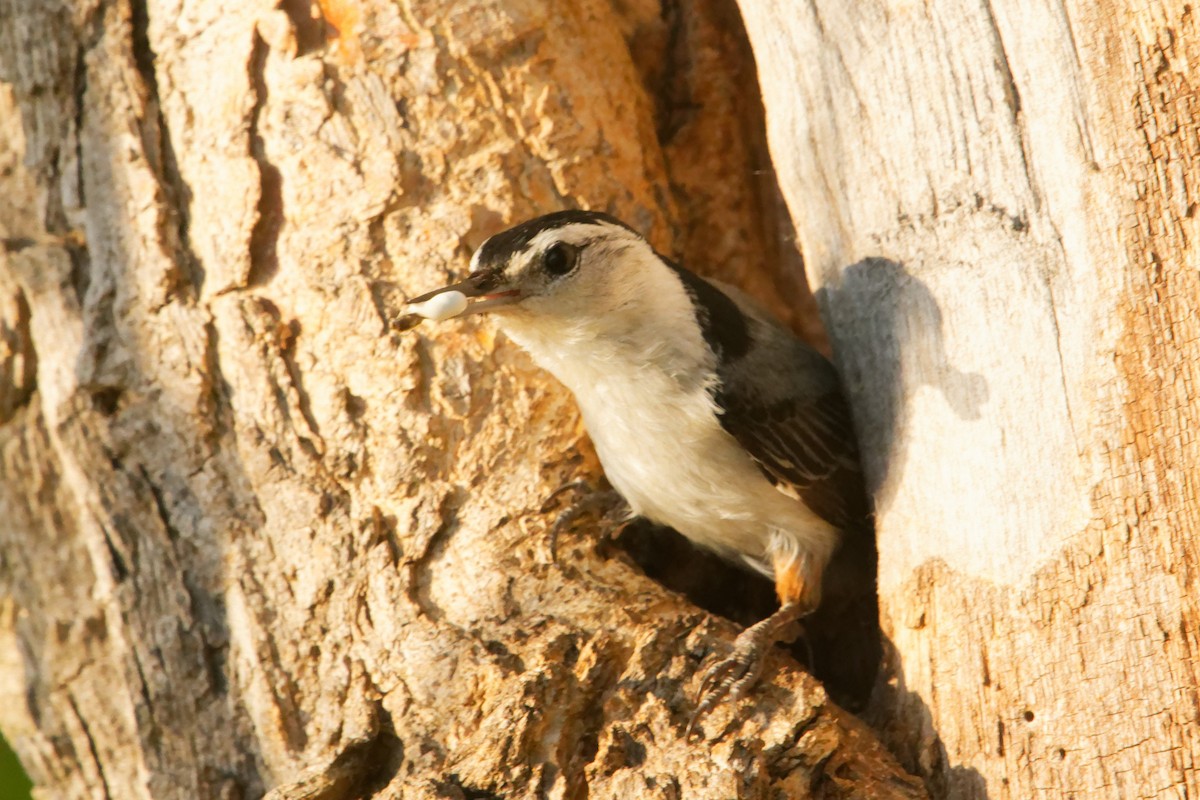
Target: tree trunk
{"x":996,"y":204}
{"x":251,"y":539}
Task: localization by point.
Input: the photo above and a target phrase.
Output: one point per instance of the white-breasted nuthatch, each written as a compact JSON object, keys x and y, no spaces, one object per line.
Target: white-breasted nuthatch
{"x":707,"y":415}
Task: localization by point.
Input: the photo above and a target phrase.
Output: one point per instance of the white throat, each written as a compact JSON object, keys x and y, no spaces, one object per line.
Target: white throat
{"x":644,"y":328}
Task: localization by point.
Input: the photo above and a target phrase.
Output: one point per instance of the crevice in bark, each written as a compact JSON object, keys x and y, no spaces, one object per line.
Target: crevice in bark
{"x":282,"y":340}
{"x":106,"y":400}
{"x":144,"y":691}
{"x":160,"y":505}
{"x":81,"y":263}
{"x":500,"y":652}
{"x":18,"y":369}
{"x":288,"y":333}
{"x":79,"y":86}
{"x":1056,"y":322}
{"x":160,"y":152}
{"x":264,"y":237}
{"x":782,"y":759}
{"x":1012,"y":96}
{"x":215,"y":662}
{"x":674,"y":104}
{"x":310,"y":27}
{"x":91,"y":743}
{"x":120,"y":569}
{"x":363,"y":768}
{"x":217,"y":399}
{"x":382,"y":754}
{"x":285,"y":693}
{"x":382,"y":530}
{"x":417,"y":587}
{"x":579,"y":742}
{"x":453,"y":785}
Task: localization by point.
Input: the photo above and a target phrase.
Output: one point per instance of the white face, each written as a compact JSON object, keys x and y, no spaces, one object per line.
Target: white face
{"x":581,"y":292}
{"x":572,"y":270}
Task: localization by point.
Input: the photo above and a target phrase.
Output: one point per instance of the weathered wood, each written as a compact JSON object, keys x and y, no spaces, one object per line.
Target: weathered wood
{"x":254,"y":541}
{"x":995,"y":202}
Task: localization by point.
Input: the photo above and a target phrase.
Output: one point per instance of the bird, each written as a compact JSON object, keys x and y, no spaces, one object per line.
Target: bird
{"x":708,"y":416}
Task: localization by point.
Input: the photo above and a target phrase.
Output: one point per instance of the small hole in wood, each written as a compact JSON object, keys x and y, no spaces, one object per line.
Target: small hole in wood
{"x":107,"y":400}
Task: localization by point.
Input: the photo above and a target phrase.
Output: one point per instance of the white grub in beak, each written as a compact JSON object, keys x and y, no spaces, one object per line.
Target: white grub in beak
{"x":437,"y":305}
{"x":444,"y":305}
{"x":466,"y":297}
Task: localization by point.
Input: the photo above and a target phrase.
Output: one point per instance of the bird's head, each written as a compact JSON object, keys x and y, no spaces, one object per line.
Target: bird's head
{"x":567,"y":265}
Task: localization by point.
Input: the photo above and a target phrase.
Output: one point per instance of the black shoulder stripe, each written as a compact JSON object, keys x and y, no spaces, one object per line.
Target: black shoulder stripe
{"x":723,"y":323}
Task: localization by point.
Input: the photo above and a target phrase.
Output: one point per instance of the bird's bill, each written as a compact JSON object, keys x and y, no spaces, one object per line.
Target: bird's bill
{"x":482,"y":290}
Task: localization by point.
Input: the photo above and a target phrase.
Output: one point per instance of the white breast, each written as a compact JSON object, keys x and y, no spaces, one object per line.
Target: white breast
{"x":646,"y":405}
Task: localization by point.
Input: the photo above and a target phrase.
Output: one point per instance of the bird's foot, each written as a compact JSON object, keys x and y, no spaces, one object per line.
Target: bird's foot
{"x":734,"y":675}
{"x":606,"y":502}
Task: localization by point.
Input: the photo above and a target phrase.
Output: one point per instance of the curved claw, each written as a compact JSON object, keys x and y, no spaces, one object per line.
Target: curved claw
{"x":730,"y":677}
{"x":591,"y":501}
{"x":733,"y":675}
{"x":580,"y":485}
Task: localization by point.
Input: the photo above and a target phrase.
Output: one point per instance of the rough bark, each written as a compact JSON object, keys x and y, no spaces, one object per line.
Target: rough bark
{"x":996,"y":204}
{"x":254,"y":541}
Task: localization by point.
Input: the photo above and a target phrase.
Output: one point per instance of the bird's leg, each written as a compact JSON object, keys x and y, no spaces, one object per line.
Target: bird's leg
{"x":590,"y":500}
{"x":798,"y":584}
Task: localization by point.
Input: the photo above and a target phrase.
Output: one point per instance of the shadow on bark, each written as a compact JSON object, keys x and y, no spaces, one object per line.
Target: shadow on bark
{"x":886,"y":326}
{"x":905,"y":724}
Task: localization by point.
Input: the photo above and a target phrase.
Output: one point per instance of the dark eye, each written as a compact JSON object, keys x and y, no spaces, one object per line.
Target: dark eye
{"x":559,"y":259}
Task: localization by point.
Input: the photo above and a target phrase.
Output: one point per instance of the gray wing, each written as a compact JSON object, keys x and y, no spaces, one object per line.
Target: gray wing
{"x":805,"y":445}
{"x":782,"y":402}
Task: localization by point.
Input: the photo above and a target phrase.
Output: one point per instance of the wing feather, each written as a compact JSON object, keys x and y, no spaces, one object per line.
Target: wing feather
{"x":806,"y":447}
{"x":781,"y":400}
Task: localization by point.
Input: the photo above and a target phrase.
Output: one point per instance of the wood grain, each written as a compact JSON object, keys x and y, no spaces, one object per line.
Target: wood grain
{"x":995,"y":203}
